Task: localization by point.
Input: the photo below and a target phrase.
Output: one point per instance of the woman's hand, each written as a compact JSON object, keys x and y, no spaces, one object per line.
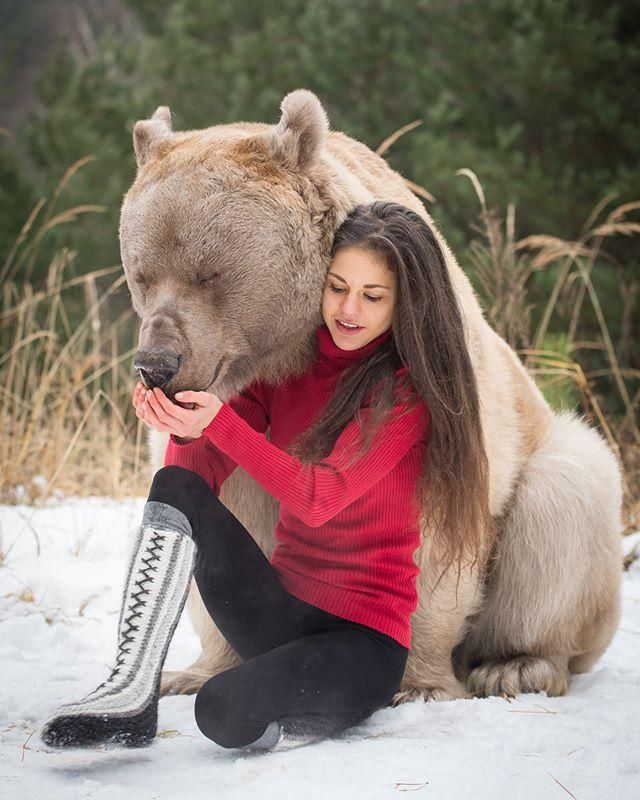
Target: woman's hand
{"x":155,"y":409}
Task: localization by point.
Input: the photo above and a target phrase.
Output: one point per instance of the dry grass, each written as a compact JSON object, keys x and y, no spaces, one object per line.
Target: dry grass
{"x":504,"y":268}
{"x":65,"y":387}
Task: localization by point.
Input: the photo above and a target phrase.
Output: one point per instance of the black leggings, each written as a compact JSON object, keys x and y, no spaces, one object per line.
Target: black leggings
{"x":298,"y":659}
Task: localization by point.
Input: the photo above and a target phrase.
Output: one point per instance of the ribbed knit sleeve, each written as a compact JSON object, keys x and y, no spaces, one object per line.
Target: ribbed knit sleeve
{"x":316,"y":493}
{"x":203,"y":457}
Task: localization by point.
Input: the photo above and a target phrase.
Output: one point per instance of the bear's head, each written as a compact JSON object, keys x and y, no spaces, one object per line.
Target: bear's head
{"x":225,"y":239}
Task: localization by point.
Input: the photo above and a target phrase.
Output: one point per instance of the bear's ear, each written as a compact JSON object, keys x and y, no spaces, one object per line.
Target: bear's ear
{"x":297,"y":140}
{"x":148,"y":133}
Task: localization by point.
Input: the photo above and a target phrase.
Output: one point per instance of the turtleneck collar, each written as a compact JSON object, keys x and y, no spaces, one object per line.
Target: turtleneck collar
{"x":330,"y":355}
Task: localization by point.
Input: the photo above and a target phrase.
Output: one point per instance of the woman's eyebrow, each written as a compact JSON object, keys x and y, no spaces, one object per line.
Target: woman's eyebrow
{"x":365,"y":286}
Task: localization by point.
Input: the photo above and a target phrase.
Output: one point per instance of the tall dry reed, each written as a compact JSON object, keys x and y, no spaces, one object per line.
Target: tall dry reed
{"x":504,"y":268}
{"x":65,"y":373}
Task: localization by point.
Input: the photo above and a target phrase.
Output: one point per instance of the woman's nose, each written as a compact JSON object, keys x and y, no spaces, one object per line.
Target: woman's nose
{"x":350,"y":305}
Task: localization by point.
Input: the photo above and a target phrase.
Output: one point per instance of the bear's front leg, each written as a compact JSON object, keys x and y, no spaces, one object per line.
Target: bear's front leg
{"x":437,"y":626}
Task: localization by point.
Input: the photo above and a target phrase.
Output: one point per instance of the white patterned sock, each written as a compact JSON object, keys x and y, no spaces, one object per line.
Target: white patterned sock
{"x":123,"y":709}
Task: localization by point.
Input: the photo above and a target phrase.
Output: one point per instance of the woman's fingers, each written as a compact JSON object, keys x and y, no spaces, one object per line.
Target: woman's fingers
{"x":141,"y":411}
{"x":141,"y":414}
{"x":142,"y":407}
{"x":166,"y":411}
{"x":166,"y":405}
{"x":170,"y":416}
{"x":137,"y":394}
{"x":159,"y":413}
{"x":199,"y":398}
{"x":151,"y":416}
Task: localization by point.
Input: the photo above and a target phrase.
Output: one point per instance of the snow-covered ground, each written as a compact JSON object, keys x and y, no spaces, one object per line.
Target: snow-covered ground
{"x":60,"y":588}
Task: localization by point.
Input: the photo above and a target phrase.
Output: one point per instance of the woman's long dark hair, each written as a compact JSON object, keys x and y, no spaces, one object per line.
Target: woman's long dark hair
{"x":428,"y":338}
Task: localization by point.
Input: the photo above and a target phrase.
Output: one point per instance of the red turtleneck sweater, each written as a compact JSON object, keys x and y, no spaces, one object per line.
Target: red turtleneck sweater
{"x":346,"y":537}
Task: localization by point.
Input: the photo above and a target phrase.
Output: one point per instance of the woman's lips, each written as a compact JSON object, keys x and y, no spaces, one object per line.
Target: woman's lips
{"x":347,"y":331}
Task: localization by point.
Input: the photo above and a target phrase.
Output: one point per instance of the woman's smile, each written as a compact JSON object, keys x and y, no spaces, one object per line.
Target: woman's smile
{"x":350,"y":330}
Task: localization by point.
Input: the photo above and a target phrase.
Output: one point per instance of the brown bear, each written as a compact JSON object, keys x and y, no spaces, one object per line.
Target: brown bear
{"x":225,"y":239}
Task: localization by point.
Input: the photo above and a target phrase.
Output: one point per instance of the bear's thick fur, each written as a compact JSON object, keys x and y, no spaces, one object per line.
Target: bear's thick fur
{"x":225,"y":238}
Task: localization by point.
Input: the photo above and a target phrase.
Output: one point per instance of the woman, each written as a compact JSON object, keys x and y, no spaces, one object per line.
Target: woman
{"x":323,"y":626}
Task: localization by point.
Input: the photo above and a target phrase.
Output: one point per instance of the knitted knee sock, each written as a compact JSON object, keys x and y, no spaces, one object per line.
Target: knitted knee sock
{"x":124,"y":709}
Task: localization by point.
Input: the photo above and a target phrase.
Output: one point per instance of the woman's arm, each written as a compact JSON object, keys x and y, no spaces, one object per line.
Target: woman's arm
{"x":317,"y":493}
{"x":200,"y":455}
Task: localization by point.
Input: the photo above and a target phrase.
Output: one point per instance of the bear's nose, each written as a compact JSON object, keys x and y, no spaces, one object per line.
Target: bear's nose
{"x":156,"y":367}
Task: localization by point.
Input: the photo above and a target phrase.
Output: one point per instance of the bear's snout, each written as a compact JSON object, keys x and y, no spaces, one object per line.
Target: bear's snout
{"x":156,"y":367}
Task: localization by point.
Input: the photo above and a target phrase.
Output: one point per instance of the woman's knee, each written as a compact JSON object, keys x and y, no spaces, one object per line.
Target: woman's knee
{"x":217,"y":713}
{"x":208,"y":710}
{"x":172,"y":480}
{"x":184,"y":490}
{"x":189,"y":493}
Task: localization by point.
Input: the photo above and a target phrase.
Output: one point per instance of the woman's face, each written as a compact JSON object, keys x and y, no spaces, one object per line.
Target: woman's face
{"x":359,"y":289}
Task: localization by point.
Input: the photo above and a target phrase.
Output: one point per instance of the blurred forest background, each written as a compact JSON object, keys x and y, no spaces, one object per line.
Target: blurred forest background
{"x":527,"y":155}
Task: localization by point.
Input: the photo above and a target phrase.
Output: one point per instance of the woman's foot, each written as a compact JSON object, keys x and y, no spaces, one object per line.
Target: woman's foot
{"x":78,"y":728}
{"x":289,"y":732}
{"x":124,"y":709}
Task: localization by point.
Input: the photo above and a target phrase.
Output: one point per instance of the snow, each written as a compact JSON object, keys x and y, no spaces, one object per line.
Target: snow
{"x":60,"y":587}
